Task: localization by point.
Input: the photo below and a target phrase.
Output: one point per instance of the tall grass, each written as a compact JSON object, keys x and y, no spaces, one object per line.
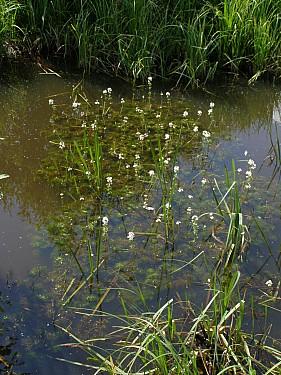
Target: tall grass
{"x":8,"y":15}
{"x":185,"y":39}
{"x":210,"y":341}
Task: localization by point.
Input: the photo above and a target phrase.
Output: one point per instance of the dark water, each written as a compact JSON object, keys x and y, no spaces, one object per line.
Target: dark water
{"x":32,"y":264}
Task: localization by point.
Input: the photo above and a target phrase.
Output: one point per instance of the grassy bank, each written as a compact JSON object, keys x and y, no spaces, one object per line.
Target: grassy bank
{"x":187,"y":40}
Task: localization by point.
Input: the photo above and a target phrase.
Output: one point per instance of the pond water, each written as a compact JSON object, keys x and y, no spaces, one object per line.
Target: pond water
{"x":77,"y":229}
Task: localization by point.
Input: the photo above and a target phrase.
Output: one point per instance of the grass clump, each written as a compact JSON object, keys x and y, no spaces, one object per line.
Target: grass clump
{"x":9,"y":11}
{"x":189,"y":41}
{"x":208,"y":341}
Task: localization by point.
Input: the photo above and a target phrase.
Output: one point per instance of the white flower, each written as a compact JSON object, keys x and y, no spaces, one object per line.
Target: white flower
{"x":168,"y":94}
{"x":82,"y":198}
{"x":194,"y":218}
{"x":151,"y":173}
{"x":176,"y":168}
{"x":51,"y":101}
{"x":245,"y":152}
{"x":210,"y":111}
{"x":180,"y":190}
{"x":185,"y":114}
{"x":248,"y":174}
{"x":212,"y":104}
{"x":178,"y":222}
{"x":149,"y":79}
{"x":109,"y":90}
{"x":195,"y":129}
{"x":105,"y":220}
{"x":122,"y":101}
{"x":97,"y":102}
{"x":104,"y":92}
{"x":168,"y":205}
{"x":131,"y":236}
{"x":203,"y":181}
{"x":206,"y":134}
{"x":75,"y":105}
{"x":109,"y":180}
{"x":190,"y":196}
{"x":247,"y":186}
{"x":269,"y":283}
{"x":252,"y":164}
{"x":189,"y":210}
{"x":211,"y":215}
{"x":239,"y":170}
{"x":61,"y":145}
{"x":138,"y":110}
{"x":199,"y":113}
{"x":167,"y":137}
{"x":87,"y":173}
{"x":148,"y":208}
{"x":120,"y":156}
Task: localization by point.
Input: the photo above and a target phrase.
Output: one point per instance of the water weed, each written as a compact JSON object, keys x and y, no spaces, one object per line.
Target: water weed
{"x":141,"y":223}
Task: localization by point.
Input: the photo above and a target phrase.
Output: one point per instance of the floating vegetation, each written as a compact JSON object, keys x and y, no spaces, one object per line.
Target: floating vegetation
{"x":147,"y":211}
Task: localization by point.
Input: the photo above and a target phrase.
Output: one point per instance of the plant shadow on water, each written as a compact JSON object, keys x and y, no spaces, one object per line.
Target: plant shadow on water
{"x":146,"y":210}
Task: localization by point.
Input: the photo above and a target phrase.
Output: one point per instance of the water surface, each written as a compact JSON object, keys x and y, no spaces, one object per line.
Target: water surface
{"x":41,"y":224}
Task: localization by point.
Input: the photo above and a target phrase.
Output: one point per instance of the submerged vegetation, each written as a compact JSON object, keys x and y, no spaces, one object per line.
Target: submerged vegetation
{"x":160,"y":227}
{"x":148,"y":213}
{"x":190,"y":41}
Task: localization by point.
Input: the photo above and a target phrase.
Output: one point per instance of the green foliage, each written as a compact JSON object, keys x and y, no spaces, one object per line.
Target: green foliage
{"x":185,"y":39}
{"x":210,"y":341}
{"x":8,"y":15}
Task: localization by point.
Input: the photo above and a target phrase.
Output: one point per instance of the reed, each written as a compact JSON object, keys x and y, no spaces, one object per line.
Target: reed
{"x":8,"y":30}
{"x":211,"y":342}
{"x":189,"y":41}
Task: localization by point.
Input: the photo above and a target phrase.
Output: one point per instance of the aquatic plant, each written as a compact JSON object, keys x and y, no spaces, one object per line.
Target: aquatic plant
{"x":118,"y":166}
{"x":210,"y":341}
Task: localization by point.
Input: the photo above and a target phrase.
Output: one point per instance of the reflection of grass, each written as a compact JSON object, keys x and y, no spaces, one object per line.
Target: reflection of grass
{"x":274,"y":155}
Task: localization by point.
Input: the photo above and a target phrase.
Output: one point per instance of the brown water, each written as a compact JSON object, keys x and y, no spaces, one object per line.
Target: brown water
{"x":31,"y":261}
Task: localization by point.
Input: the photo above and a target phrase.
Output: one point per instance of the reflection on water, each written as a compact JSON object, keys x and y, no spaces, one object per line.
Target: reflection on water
{"x":17,"y":256}
{"x":40,"y":250}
